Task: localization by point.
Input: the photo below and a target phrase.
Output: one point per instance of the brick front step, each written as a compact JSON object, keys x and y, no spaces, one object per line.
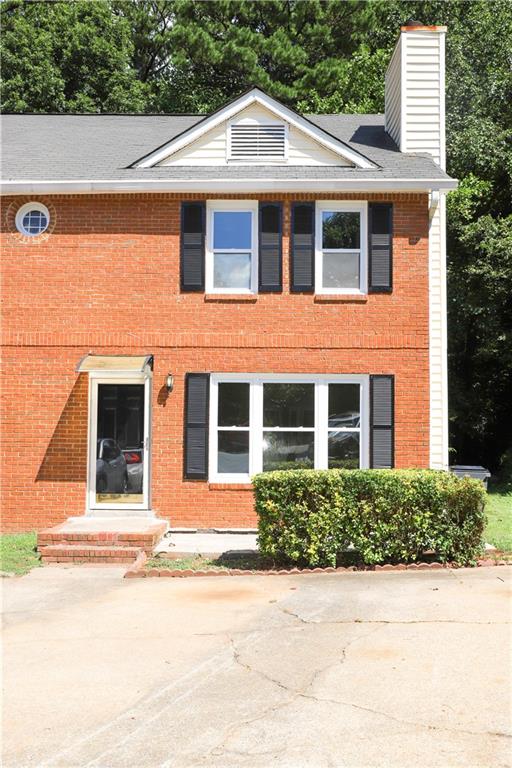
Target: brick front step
{"x":79,"y":553}
{"x":100,"y":538}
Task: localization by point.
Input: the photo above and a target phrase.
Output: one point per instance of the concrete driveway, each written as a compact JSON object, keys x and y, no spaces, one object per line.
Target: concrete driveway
{"x":362,"y":669}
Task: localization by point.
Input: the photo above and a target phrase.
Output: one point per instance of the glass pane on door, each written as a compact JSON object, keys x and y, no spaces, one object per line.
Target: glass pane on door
{"x":120,"y":444}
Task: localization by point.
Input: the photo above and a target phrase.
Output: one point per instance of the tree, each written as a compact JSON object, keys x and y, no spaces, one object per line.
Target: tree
{"x":67,"y":57}
{"x":285,"y":47}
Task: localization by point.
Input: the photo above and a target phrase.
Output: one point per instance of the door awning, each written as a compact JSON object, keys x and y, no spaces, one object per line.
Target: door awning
{"x":115,"y":363}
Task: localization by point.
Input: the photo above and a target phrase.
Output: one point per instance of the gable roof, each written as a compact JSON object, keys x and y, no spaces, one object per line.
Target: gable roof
{"x":234,"y":107}
{"x":80,"y":153}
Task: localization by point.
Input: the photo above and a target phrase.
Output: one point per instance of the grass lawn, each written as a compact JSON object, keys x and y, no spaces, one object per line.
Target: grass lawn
{"x":18,"y":553}
{"x":249,"y":562}
{"x":499,"y":517}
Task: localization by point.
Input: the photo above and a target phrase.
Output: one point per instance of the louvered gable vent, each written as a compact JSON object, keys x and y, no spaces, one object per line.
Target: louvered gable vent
{"x":257,"y":140}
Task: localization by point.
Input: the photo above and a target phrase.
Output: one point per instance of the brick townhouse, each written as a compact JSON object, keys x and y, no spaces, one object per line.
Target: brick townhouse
{"x":192,"y":299}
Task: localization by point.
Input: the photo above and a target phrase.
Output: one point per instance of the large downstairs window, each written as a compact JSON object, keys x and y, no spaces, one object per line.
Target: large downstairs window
{"x":232,"y":246}
{"x":261,"y":423}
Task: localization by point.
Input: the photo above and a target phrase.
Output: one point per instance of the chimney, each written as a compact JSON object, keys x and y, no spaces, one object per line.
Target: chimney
{"x":415,"y":109}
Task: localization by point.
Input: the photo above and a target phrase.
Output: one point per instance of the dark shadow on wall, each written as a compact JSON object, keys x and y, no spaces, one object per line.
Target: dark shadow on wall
{"x":65,"y":460}
{"x":163,"y":396}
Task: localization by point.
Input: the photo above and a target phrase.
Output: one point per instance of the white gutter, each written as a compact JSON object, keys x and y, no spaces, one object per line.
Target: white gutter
{"x":87,"y":186}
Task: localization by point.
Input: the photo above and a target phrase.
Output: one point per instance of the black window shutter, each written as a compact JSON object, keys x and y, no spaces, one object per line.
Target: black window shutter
{"x":270,"y":256}
{"x":197,"y":395}
{"x":380,"y":247}
{"x":382,"y":417}
{"x":302,"y":249}
{"x":193,"y":222}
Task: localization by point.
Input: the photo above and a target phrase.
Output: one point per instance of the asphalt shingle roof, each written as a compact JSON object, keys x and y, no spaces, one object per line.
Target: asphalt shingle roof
{"x":102,"y":147}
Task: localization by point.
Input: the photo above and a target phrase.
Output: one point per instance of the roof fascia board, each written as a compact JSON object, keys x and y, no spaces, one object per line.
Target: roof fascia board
{"x":221,"y":185}
{"x":244,"y":101}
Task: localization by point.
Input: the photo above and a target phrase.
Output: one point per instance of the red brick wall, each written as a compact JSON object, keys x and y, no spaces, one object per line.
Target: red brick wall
{"x":106,"y":279}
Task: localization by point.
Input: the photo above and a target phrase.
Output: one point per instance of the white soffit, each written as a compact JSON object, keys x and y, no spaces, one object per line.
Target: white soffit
{"x":254,"y":96}
{"x":216,"y":186}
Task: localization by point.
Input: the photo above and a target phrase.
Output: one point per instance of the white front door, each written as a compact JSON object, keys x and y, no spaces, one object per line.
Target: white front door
{"x":119,"y":442}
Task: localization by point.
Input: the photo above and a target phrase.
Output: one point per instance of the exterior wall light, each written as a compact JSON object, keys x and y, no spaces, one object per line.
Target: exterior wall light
{"x":169,"y":382}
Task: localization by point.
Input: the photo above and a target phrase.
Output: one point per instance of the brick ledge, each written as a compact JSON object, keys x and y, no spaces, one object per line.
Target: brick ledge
{"x":340,"y":298}
{"x":137,"y":570}
{"x":251,"y":298}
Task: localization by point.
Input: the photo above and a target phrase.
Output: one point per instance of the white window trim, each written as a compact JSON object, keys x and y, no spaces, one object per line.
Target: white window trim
{"x":250,"y":206}
{"x":21,"y":213}
{"x":256,"y":160}
{"x":256,"y":380}
{"x":360,"y":206}
{"x":117,"y":377}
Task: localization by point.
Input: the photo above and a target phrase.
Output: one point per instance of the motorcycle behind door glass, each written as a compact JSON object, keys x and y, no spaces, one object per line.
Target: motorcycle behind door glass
{"x":120,"y":444}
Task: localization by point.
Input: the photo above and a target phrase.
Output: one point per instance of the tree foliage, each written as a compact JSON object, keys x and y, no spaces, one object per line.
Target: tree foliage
{"x":68,"y":57}
{"x":316,"y":56}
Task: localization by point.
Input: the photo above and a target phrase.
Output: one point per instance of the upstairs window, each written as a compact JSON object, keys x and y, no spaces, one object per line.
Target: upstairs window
{"x":32,"y":219}
{"x":250,"y":140}
{"x":341,"y":233}
{"x":231,"y":259}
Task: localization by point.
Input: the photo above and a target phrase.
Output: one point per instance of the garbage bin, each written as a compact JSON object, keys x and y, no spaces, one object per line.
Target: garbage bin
{"x":479,"y":473}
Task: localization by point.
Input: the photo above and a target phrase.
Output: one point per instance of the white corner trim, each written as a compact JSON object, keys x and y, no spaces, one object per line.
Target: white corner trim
{"x":230,"y":110}
{"x":438,"y":332}
{"x":231,"y":186}
{"x":442,"y":101}
{"x":403,"y":93}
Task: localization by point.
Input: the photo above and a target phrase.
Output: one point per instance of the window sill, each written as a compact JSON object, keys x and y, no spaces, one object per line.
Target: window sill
{"x":251,"y":298}
{"x":341,"y":298}
{"x":230,"y":486}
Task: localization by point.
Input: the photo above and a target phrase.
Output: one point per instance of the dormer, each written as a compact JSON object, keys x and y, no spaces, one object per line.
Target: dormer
{"x":255,"y":129}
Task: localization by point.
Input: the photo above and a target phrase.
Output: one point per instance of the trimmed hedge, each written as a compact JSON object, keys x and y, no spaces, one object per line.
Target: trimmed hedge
{"x":310,"y":517}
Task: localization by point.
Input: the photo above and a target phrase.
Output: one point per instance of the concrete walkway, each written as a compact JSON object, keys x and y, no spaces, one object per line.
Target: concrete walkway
{"x":177,"y":544}
{"x":362,"y":670}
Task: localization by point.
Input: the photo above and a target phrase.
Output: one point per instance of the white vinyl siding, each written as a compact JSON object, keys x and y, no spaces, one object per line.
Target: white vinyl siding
{"x":415,"y":93}
{"x":212,"y":148}
{"x":209,"y":149}
{"x":423,"y":52}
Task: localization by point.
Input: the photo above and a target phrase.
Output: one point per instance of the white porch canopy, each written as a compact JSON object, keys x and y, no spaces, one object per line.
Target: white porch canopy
{"x":115,"y":363}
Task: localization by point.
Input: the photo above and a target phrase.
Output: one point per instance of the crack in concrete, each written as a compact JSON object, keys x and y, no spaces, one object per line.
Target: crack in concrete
{"x":303,"y":693}
{"x":290,"y":693}
{"x":412,"y":723}
{"x":383,"y":622}
{"x":222,"y":748}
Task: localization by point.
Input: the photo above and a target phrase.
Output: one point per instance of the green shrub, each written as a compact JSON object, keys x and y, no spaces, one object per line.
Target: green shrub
{"x":311,"y":516}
